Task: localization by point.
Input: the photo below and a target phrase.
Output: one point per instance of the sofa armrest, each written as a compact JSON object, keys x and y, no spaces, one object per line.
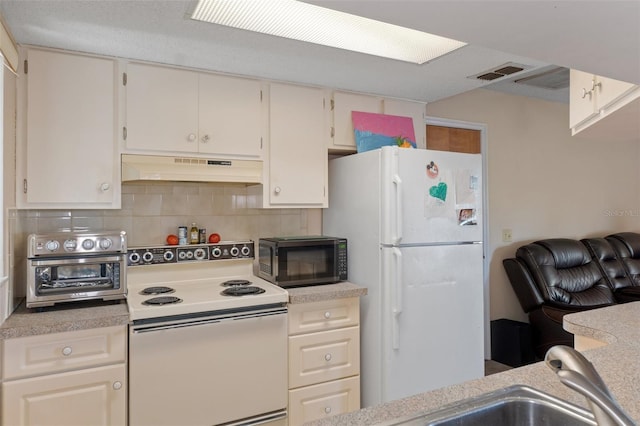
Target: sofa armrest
{"x":526,"y":290}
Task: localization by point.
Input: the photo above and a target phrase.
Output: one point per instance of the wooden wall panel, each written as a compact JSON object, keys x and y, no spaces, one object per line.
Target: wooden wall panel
{"x":453,"y":139}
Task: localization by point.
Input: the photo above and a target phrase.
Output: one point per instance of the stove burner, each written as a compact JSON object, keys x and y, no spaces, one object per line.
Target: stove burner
{"x":235,"y":283}
{"x":162,"y":300}
{"x":156,"y":290}
{"x":242,"y":291}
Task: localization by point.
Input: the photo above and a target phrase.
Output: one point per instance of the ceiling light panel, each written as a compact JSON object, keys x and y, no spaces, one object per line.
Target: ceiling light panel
{"x":314,"y":24}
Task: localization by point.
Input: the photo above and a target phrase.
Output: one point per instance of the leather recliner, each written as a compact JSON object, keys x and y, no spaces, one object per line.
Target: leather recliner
{"x":626,"y":246}
{"x":552,"y":278}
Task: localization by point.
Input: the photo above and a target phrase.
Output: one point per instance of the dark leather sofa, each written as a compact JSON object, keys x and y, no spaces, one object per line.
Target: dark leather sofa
{"x":554,"y":277}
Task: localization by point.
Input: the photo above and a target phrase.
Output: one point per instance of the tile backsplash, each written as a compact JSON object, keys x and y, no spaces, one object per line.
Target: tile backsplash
{"x":152,"y":210}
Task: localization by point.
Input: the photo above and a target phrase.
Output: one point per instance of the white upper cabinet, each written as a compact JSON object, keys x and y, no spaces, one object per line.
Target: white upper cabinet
{"x":296,"y":169}
{"x":67,"y":149}
{"x":343,"y":103}
{"x":603,"y":107}
{"x":186,"y":112}
{"x":416,"y":110}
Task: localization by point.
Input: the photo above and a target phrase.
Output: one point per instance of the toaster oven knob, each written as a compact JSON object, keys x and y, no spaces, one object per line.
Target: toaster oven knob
{"x":216,"y":252}
{"x":134,"y":257}
{"x":245,"y":251}
{"x":88,"y":244}
{"x":52,"y":245}
{"x":147,"y":256}
{"x":234,"y":251}
{"x":104,"y":243}
{"x":70,"y":245}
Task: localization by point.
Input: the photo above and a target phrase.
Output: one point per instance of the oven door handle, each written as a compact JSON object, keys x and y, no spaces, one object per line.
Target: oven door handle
{"x":137,"y":329}
{"x":76,"y":260}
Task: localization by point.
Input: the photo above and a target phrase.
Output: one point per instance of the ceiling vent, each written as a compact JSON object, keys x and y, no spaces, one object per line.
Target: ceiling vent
{"x":553,"y":79}
{"x":500,"y":71}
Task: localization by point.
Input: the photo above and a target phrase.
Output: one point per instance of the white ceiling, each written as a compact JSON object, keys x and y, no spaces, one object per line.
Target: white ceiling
{"x":602,"y":37}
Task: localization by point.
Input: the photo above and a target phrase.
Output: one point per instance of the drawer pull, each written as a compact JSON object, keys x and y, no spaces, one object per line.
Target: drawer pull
{"x":117,"y":385}
{"x":66,"y":351}
{"x":327,"y":315}
{"x":327,"y":410}
{"x":327,"y":357}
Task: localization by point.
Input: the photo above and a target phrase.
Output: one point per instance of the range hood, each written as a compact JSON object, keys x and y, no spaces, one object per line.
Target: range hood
{"x":167,"y":168}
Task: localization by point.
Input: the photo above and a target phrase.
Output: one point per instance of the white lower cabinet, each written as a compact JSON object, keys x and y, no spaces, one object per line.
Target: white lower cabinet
{"x":324,"y":359}
{"x":68,"y":378}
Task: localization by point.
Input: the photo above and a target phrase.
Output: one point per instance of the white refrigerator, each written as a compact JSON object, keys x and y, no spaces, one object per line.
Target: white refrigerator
{"x":413,"y":221}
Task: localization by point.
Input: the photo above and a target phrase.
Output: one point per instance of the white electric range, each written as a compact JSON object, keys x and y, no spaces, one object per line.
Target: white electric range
{"x":213,"y":332}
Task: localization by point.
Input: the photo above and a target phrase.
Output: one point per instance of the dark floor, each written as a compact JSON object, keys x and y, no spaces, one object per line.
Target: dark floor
{"x":493,"y":367}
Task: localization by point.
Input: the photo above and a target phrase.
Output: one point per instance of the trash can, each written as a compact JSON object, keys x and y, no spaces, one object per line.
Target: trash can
{"x":511,"y":342}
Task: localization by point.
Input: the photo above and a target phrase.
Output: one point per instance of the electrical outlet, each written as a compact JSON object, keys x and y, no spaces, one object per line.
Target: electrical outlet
{"x":506,"y":236}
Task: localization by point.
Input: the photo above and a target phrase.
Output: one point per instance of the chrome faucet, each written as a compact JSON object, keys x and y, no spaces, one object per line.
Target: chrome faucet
{"x":576,"y":372}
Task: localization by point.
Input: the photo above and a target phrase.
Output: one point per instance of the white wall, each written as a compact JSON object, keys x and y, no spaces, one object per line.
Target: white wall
{"x":542,"y":182}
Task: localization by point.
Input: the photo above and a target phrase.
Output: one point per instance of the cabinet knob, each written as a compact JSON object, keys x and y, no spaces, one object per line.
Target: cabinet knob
{"x":327,"y":410}
{"x":327,"y":357}
{"x":66,"y":351}
{"x":277,"y":189}
{"x":206,"y":138}
{"x":117,"y":385}
{"x":104,"y":187}
{"x":191,"y":137}
{"x":327,"y":315}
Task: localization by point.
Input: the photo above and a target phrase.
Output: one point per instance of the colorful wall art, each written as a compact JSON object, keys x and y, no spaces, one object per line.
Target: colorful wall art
{"x":373,"y":131}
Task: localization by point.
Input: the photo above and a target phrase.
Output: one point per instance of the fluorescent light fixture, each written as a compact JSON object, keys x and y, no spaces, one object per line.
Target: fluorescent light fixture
{"x":314,"y":24}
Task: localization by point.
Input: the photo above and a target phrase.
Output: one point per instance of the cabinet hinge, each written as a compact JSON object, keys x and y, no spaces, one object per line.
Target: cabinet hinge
{"x":260,"y":143}
{"x":26,"y":66}
{"x":124,"y":78}
{"x":333,"y":104}
{"x":124,"y":133}
{"x":24,"y":186}
{"x":333,"y":131}
{"x":260,"y":95}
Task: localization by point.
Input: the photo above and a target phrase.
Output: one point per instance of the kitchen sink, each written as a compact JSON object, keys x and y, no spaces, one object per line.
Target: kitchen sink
{"x":515,"y":405}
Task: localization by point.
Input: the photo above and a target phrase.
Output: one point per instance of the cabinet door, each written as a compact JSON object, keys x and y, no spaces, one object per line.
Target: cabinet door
{"x":162,"y":109}
{"x":316,"y":402}
{"x":71,"y":131}
{"x":95,"y":396}
{"x":611,"y":90}
{"x":297,"y":155}
{"x":415,"y":110}
{"x":230,"y":116}
{"x":581,"y":102}
{"x":343,"y":104}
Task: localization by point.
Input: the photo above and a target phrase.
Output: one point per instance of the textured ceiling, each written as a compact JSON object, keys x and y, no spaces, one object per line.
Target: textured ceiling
{"x":498,"y":33}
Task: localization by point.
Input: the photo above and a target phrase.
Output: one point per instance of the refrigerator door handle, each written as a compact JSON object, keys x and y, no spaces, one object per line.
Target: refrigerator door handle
{"x":398,"y":186}
{"x":396,"y":309}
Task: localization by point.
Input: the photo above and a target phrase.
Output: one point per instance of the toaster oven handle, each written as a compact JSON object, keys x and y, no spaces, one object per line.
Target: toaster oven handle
{"x":75,"y":260}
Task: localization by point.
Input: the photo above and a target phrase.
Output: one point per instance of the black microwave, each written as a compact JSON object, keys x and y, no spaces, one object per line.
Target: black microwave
{"x":302,"y":261}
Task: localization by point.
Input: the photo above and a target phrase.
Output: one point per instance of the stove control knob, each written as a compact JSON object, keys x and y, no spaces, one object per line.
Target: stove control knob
{"x":245,"y":251}
{"x":216,"y":252}
{"x":88,"y":244}
{"x":189,"y":255}
{"x":52,"y":245}
{"x":182,"y":255}
{"x":104,"y":243}
{"x":200,"y":254}
{"x":134,"y":257}
{"x":234,"y":251}
{"x":168,"y":256}
{"x":147,"y":256}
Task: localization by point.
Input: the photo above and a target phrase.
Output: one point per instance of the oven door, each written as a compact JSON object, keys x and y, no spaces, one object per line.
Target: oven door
{"x":59,"y":280}
{"x":211,"y":370}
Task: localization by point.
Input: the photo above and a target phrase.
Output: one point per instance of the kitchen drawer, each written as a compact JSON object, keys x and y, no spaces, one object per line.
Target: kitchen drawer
{"x":324,"y":356}
{"x":57,"y":352}
{"x":325,"y":315}
{"x":326,"y":399}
